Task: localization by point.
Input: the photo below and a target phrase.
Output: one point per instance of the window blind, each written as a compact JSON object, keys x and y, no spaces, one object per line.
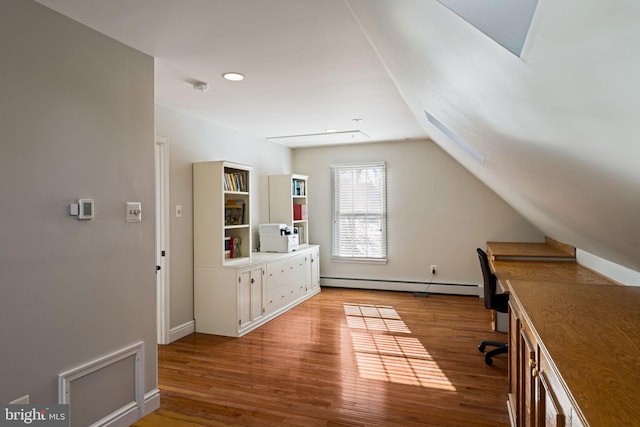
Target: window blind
{"x":359,"y":205}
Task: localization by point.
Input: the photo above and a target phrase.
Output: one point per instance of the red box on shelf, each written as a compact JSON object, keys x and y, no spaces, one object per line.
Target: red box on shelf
{"x":299,"y":212}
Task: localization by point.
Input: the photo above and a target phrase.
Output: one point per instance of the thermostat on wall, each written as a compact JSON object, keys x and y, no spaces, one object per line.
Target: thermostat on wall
{"x":85,"y":209}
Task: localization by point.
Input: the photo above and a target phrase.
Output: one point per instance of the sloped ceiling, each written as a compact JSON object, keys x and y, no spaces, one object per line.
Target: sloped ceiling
{"x":557,"y":127}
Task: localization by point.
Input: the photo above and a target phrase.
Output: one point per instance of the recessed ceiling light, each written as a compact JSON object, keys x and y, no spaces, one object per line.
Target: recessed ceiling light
{"x":356,"y":120}
{"x":234,"y":77}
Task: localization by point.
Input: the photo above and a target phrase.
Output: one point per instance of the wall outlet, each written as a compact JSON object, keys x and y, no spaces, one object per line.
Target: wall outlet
{"x":433,"y":269}
{"x":24,"y":400}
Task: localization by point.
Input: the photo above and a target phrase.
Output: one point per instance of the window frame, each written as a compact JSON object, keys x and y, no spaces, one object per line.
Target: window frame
{"x":379,"y":210}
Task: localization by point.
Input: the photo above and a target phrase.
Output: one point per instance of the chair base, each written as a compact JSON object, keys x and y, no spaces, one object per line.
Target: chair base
{"x":501,"y":348}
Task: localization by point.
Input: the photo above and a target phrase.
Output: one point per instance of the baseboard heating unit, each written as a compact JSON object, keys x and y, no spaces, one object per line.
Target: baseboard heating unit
{"x":472,"y":289}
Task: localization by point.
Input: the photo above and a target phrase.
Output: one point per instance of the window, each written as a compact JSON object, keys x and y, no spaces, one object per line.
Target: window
{"x":359,"y":199}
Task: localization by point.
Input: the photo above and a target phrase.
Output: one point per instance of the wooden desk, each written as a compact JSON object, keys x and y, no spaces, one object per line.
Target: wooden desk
{"x":585,"y":354}
{"x":550,"y":271}
{"x":523,"y":250}
{"x":574,"y":344}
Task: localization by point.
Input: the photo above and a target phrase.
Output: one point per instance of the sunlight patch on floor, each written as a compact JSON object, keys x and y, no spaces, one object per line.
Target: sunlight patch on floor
{"x":372,"y":317}
{"x":383,"y":356}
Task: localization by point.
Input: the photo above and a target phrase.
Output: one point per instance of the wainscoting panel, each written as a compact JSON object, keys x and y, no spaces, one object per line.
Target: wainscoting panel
{"x":108,"y":391}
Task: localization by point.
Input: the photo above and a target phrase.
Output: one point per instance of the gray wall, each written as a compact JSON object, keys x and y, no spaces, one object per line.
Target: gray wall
{"x":438,"y":213}
{"x":76,"y":120}
{"x":192,"y":139}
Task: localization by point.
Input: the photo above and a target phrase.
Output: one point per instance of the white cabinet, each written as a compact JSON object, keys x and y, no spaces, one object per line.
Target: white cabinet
{"x":237,"y":290}
{"x":243,"y":294}
{"x":228,"y":301}
{"x":288,"y":203}
{"x":250,"y":296}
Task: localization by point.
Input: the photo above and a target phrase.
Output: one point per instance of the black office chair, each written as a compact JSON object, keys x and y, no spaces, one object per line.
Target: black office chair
{"x":492,"y":301}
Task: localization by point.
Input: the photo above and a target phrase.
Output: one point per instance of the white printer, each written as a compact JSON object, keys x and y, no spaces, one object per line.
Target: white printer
{"x":277,"y":238}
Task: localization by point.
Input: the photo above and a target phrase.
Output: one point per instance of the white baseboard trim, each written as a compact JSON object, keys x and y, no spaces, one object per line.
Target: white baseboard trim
{"x":151,"y":401}
{"x":182,"y":331}
{"x":403,"y":286}
{"x":122,"y":417}
{"x":129,"y":413}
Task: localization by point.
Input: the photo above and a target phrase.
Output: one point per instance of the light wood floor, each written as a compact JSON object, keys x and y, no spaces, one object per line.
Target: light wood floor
{"x":343,"y":358}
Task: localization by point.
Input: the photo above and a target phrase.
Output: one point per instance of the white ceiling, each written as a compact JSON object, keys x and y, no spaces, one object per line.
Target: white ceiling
{"x":557,"y":127}
{"x":308,"y":66}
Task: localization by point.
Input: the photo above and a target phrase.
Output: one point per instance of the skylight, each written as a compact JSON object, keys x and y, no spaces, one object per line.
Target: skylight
{"x":505,"y":21}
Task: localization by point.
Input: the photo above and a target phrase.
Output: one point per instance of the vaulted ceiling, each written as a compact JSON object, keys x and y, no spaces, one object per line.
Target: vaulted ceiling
{"x":554,"y":131}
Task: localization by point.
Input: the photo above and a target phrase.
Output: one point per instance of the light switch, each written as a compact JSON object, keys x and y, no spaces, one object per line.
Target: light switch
{"x":178,"y":211}
{"x":133,"y":212}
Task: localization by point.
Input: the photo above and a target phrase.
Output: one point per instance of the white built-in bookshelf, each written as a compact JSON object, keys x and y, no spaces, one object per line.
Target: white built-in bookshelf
{"x":234,"y":295}
{"x":221,"y":212}
{"x":288,"y":203}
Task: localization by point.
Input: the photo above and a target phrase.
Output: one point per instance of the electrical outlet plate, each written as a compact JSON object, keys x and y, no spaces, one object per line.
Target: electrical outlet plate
{"x":433,"y":269}
{"x":24,"y":400}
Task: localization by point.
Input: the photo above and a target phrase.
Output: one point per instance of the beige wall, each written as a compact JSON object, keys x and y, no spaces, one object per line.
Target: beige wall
{"x":438,"y":213}
{"x":192,"y":139}
{"x":76,"y":120}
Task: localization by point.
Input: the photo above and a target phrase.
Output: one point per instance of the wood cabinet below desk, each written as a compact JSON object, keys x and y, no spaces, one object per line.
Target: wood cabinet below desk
{"x":574,"y":354}
{"x":536,"y":395}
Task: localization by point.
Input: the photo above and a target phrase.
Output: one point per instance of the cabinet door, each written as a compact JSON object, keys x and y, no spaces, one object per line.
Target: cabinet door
{"x":549,"y":410}
{"x":307,"y":272}
{"x":315,"y":268}
{"x":555,"y":408}
{"x":515,"y":401}
{"x":244,"y":298}
{"x":528,"y":368}
{"x":257,"y":293}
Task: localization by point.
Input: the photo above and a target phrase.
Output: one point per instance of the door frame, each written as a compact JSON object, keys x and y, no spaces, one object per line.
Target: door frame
{"x":163,"y":286}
